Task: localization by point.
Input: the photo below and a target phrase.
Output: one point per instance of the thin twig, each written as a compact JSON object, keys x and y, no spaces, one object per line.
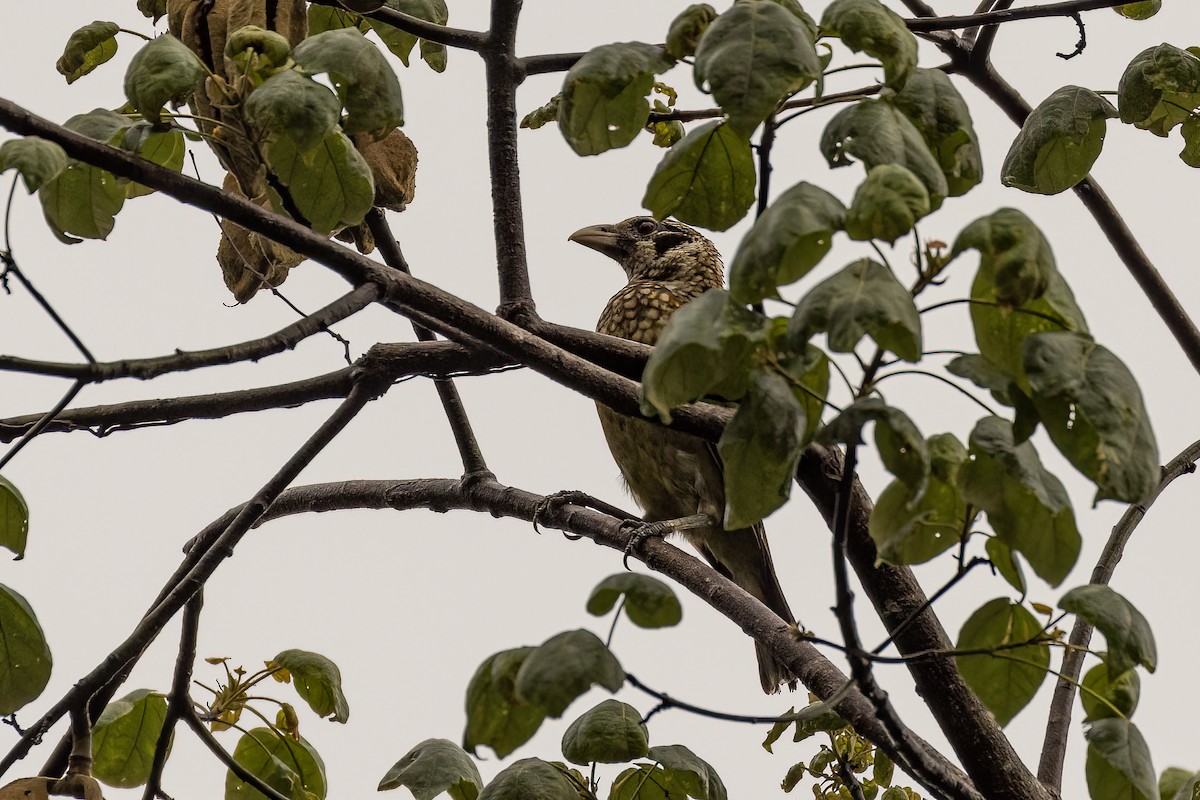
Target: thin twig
{"x":210,"y":741}
{"x":179,"y":704}
{"x":442,"y":34}
{"x":929,"y":21}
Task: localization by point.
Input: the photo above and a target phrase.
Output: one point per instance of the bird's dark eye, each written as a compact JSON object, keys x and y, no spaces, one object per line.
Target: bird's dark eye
{"x":646,"y":227}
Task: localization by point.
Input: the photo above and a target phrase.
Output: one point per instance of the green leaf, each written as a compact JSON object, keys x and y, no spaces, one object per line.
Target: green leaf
{"x":707,"y":179}
{"x":364,"y":80}
{"x":1006,"y":563}
{"x":876,"y":132}
{"x":317,"y":680}
{"x":706,"y":348}
{"x":434,"y":55}
{"x":165,"y":148}
{"x":496,"y":716}
{"x":868,"y":26}
{"x":1159,"y":88}
{"x":1013,"y":252}
{"x":1027,"y":506}
{"x":912,"y":532}
{"x":610,"y":733}
{"x":901,"y":447}
{"x":1093,"y":410}
{"x":153,"y":9}
{"x":565,"y":666}
{"x":162,"y":71}
{"x":863,"y":299}
{"x":938,"y":111}
{"x":292,"y":105}
{"x":100,"y":124}
{"x":329,"y":18}
{"x":294,"y":769}
{"x":81,"y":200}
{"x":331,"y":185}
{"x":809,"y":373}
{"x":753,"y":56}
{"x":1059,"y":142}
{"x":1130,"y":640}
{"x":259,"y":52}
{"x":125,"y":737}
{"x":1007,"y":679}
{"x":1143,"y":9}
{"x":532,"y":779}
{"x":432,"y":767}
{"x":887,"y":204}
{"x":88,"y":48}
{"x":685,"y":769}
{"x":603,"y":103}
{"x":14,"y":511}
{"x":1177,"y":783}
{"x":687,"y":28}
{"x":1118,"y":762}
{"x":24,"y":655}
{"x":648,"y":602}
{"x":1103,"y":697}
{"x":759,"y":449}
{"x":1190,"y":130}
{"x":787,"y":241}
{"x":401,"y":42}
{"x":36,"y":159}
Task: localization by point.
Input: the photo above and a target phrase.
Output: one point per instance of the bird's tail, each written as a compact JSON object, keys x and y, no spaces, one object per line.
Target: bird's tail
{"x":771,"y":673}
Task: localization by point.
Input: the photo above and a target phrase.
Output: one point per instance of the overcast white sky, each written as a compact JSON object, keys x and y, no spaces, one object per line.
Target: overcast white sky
{"x":409,"y":604}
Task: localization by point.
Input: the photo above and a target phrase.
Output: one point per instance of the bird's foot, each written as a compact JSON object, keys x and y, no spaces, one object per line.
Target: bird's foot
{"x":639,"y":532}
{"x":574,"y":497}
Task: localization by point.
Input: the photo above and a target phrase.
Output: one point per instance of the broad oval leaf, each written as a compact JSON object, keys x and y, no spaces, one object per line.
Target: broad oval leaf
{"x":401,"y":42}
{"x":162,"y":71}
{"x":938,"y":111}
{"x":100,"y":124}
{"x":876,"y":132}
{"x":1143,"y":9}
{"x":610,"y":733}
{"x":1130,"y":640}
{"x":317,"y":679}
{"x":787,"y":241}
{"x":648,"y":602}
{"x":868,"y":26}
{"x":1159,"y":88}
{"x":901,"y":447}
{"x":125,"y":737}
{"x":687,"y":28}
{"x":1103,"y":697}
{"x":331,"y":185}
{"x":690,"y":772}
{"x":808,"y":372}
{"x":1092,"y":408}
{"x":1059,"y":142}
{"x":863,"y":299}
{"x":603,"y":103}
{"x":291,"y":105}
{"x":565,"y":666}
{"x":1190,"y":130}
{"x":707,"y":179}
{"x":912,"y":532}
{"x":1007,"y":679}
{"x":887,"y":204}
{"x":1027,"y":506}
{"x":88,"y":48}
{"x":36,"y":159}
{"x":24,"y":655}
{"x":364,"y":80}
{"x":1176,"y":783}
{"x":752,"y":57}
{"x":759,"y":450}
{"x":14,"y":511}
{"x":164,"y":148}
{"x":292,"y":768}
{"x":81,"y":200}
{"x":1014,"y":255}
{"x":496,"y":716}
{"x":532,"y":779}
{"x":1118,"y":762}
{"x":432,"y":767}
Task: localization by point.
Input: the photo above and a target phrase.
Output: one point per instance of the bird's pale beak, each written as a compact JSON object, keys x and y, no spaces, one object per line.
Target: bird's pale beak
{"x":601,"y":238}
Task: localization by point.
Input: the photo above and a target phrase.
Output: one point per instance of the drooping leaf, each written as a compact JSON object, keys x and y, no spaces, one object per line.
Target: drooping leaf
{"x":1006,"y":563}
{"x":706,"y":348}
{"x":532,"y":779}
{"x":1015,"y":255}
{"x":692,"y":774}
{"x":434,"y":55}
{"x":100,"y":124}
{"x":787,"y":241}
{"x":364,"y":80}
{"x":1093,"y":410}
{"x":153,"y":9}
{"x":125,"y":736}
{"x":496,"y":716}
{"x":401,"y":42}
{"x":292,"y":105}
{"x":603,"y":103}
{"x":1007,"y":679}
{"x":317,"y":680}
{"x":868,"y":26}
{"x":1159,"y":88}
{"x":876,"y":132}
{"x":36,"y":159}
{"x":81,"y":200}
{"x":1130,"y":640}
{"x":1059,"y":142}
{"x":292,"y":768}
{"x":1143,"y":9}
{"x":707,"y":179}
{"x":687,"y":28}
{"x":1176,"y":783}
{"x":609,"y":733}
{"x":938,"y":111}
{"x":162,"y":71}
{"x":88,"y":48}
{"x":432,"y":767}
{"x":901,"y":447}
{"x":1118,"y":762}
{"x":760,"y":448}
{"x":1104,"y":697}
{"x":863,"y":299}
{"x":24,"y":655}
{"x":329,"y":18}
{"x":912,"y":532}
{"x":564,"y":667}
{"x":331,"y":185}
{"x":648,"y":602}
{"x":809,"y":373}
{"x":887,"y":204}
{"x":1027,"y":506}
{"x":1190,"y":130}
{"x":164,"y":148}
{"x":752,"y":57}
{"x":14,"y":511}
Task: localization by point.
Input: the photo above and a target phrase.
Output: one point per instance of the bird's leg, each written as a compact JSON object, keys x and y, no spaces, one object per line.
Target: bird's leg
{"x":575,"y":497}
{"x":641,"y":531}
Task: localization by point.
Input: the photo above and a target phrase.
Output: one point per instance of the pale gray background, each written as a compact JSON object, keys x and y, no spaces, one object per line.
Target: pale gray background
{"x":409,"y":604}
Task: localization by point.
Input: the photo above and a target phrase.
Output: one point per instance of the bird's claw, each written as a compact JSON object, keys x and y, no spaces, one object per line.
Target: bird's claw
{"x":640,"y":532}
{"x":553,"y":501}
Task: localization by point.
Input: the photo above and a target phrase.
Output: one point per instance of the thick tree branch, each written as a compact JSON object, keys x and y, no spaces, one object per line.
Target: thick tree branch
{"x":925,"y":23}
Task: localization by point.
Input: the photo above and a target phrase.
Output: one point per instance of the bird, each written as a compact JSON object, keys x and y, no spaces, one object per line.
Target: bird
{"x":673,"y":475}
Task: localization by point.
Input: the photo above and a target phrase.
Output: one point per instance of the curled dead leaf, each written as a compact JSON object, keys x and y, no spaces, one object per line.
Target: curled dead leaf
{"x":393,"y":163}
{"x":250,"y":262}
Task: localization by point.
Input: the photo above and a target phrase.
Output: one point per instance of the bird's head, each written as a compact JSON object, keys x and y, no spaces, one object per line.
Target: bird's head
{"x":656,"y":250}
